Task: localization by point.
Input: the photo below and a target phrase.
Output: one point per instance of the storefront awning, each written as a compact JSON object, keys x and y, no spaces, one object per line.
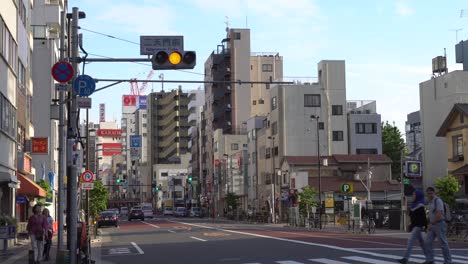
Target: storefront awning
{"x":30,"y":188}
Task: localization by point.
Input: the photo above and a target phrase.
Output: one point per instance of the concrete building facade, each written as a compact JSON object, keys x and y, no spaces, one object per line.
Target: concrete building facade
{"x":413,"y":135}
{"x":364,"y":127}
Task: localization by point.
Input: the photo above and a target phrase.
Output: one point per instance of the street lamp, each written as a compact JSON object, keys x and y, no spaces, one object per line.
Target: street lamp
{"x":317,"y":118}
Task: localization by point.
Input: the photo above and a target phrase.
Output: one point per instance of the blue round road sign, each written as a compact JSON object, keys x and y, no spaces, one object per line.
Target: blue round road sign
{"x":84,"y":85}
{"x":62,"y":72}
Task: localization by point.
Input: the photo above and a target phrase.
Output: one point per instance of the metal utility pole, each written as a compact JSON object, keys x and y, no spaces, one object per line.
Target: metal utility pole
{"x":62,"y":156}
{"x":273,"y":181}
{"x":72,"y":170}
{"x":318,"y":168}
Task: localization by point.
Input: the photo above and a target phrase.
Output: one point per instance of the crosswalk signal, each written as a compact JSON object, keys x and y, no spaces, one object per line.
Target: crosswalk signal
{"x":174,"y":60}
{"x":190,"y":179}
{"x":118,"y":180}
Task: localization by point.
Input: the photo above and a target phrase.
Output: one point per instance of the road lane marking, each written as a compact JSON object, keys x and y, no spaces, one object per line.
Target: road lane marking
{"x":457,"y":256}
{"x":172,"y":231}
{"x":328,"y":261}
{"x":288,"y":262}
{"x":441,"y":258}
{"x":199,"y":239}
{"x":368,"y":260}
{"x":150,"y":224}
{"x":394,"y":257}
{"x":138,"y":248}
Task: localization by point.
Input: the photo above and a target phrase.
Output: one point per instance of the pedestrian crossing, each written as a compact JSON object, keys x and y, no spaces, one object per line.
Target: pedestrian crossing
{"x":363,"y":259}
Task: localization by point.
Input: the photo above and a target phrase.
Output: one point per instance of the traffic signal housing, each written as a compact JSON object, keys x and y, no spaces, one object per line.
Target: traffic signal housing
{"x":174,"y":60}
{"x":118,"y":180}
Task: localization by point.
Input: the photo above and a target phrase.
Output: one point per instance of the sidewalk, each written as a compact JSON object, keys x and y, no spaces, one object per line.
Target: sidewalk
{"x":19,"y":253}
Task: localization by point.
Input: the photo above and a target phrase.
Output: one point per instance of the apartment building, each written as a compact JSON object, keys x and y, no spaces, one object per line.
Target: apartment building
{"x":108,"y":144}
{"x":413,"y":135}
{"x":364,"y":127}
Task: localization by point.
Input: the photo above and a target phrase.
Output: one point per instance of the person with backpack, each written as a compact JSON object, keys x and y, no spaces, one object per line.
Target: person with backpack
{"x":437,"y":227}
{"x":418,"y":224}
{"x":37,"y":227}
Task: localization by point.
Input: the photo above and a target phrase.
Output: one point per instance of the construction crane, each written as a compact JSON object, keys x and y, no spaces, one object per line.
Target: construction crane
{"x":141,"y":90}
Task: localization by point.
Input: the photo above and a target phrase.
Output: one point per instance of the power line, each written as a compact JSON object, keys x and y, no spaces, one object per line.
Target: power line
{"x":110,"y":36}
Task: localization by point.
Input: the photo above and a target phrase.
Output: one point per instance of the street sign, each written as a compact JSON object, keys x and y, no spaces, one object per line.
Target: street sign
{"x":135,"y":141}
{"x":135,"y":153}
{"x":84,"y":85}
{"x":329,"y":201}
{"x":62,"y":71}
{"x":347,"y":188}
{"x":150,"y":45}
{"x":87,"y":176}
{"x":61,"y":87}
{"x":347,"y":197}
{"x":87,"y":185}
{"x":83,"y":102}
{"x":413,"y":168}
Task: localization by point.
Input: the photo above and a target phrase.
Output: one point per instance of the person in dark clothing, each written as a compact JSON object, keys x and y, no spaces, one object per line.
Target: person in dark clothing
{"x":418,"y":224}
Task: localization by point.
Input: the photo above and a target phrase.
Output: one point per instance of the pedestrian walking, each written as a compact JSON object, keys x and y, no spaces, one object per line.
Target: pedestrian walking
{"x":437,"y":228}
{"x":418,"y":223}
{"x":37,"y":226}
{"x":49,"y":234}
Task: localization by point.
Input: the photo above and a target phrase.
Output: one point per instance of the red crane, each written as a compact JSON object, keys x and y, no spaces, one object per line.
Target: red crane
{"x":134,"y":84}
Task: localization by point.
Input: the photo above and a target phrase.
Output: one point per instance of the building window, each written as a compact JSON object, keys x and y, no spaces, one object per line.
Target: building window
{"x":267,"y":67}
{"x":234,"y":146}
{"x":337,"y":135}
{"x":457,"y":143}
{"x":462,"y":118}
{"x":216,"y":146}
{"x":275,"y":151}
{"x":261,"y":101}
{"x":311,"y":100}
{"x":237,"y":35}
{"x":8,"y":117}
{"x":337,"y":110}
{"x":274,"y":128}
{"x":254,"y":157}
{"x":366,"y":128}
{"x":366,"y":151}
{"x":254,"y":102}
{"x":145,"y":125}
{"x":144,"y":115}
{"x":267,"y":153}
{"x":145,"y":134}
{"x":274,"y":103}
{"x":21,"y":75}
{"x":321,"y":125}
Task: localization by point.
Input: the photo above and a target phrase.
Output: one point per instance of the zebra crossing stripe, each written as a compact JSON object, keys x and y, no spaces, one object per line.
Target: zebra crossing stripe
{"x":368,"y":260}
{"x":441,"y":258}
{"x":456,"y":256}
{"x":288,"y":262}
{"x":328,"y":261}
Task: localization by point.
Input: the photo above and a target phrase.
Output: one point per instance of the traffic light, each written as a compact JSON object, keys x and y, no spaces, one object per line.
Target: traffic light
{"x":118,"y":180}
{"x":174,"y":60}
{"x":190,"y":179}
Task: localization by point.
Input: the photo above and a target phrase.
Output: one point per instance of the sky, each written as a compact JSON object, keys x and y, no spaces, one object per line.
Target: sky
{"x":387,"y":45}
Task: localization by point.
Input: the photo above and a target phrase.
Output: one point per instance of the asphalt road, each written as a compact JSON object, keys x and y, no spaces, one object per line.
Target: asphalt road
{"x":185,"y":240}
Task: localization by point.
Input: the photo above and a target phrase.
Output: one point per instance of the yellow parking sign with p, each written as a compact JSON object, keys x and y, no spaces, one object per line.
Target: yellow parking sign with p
{"x":347,"y":188}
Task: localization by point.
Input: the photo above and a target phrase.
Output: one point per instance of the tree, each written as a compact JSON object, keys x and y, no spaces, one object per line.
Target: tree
{"x":98,"y":197}
{"x":392,"y":146}
{"x":307,"y":199}
{"x":448,"y":186}
{"x":232,"y":201}
{"x":46,"y":186}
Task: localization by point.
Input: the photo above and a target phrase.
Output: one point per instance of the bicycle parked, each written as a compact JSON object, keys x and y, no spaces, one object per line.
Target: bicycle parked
{"x":368,"y":225}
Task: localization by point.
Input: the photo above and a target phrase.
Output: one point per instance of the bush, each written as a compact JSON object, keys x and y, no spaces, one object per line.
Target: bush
{"x":8,"y":220}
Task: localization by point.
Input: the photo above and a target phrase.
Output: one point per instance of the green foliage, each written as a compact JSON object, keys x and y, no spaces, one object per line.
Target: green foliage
{"x":307,"y":199}
{"x":98,"y":199}
{"x":46,"y":186}
{"x":447,"y":186}
{"x":392,"y":146}
{"x":232,"y":201}
{"x":7,"y":220}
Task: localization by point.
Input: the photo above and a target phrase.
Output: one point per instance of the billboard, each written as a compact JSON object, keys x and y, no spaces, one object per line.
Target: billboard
{"x":109,"y":133}
{"x":102,"y":113}
{"x":111,"y":149}
{"x":40,"y":145}
{"x":142,"y":102}
{"x":129,"y":100}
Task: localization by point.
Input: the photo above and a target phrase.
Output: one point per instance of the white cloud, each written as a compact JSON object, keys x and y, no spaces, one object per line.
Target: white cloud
{"x":403,"y":9}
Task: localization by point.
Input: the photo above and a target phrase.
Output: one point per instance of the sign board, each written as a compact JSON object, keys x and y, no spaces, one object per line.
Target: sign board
{"x":129,"y":100}
{"x":347,"y":188}
{"x":135,"y":153}
{"x":83,"y":102}
{"x":413,"y":168}
{"x":329,"y":201}
{"x":87,"y":176}
{"x":40,"y":145}
{"x":84,"y":85}
{"x":87,"y":186}
{"x":102,"y":113}
{"x":109,"y":132}
{"x":142,"y":102}
{"x":21,"y":200}
{"x":150,"y":45}
{"x":111,"y":149}
{"x":7,"y":232}
{"x":61,"y":87}
{"x":135,"y":141}
{"x":62,"y":71}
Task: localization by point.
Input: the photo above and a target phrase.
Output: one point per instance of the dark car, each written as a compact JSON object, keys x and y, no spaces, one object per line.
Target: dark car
{"x":136,"y":214}
{"x":108,"y":218}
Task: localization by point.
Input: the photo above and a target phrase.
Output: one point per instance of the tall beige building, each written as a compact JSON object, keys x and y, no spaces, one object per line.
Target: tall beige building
{"x":263,"y":67}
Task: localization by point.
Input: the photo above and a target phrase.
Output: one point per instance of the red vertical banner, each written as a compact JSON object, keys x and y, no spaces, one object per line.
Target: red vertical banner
{"x":102,"y":113}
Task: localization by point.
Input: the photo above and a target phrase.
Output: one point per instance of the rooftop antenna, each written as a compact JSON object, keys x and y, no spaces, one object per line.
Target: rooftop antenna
{"x":227,"y":23}
{"x":456,"y":33}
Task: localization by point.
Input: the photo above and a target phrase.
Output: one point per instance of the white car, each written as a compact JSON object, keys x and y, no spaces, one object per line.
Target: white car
{"x":168,"y":211}
{"x":147,"y":211}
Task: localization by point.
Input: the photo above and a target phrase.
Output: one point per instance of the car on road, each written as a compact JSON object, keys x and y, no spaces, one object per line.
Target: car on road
{"x":147,"y":211}
{"x":136,"y":214}
{"x":108,"y":218}
{"x":138,"y":207}
{"x":123,"y":210}
{"x":168,"y":211}
{"x":195,"y":212}
{"x":180,"y":211}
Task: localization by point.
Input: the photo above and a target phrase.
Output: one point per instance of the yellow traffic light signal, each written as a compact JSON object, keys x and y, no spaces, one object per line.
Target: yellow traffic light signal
{"x":174,"y":60}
